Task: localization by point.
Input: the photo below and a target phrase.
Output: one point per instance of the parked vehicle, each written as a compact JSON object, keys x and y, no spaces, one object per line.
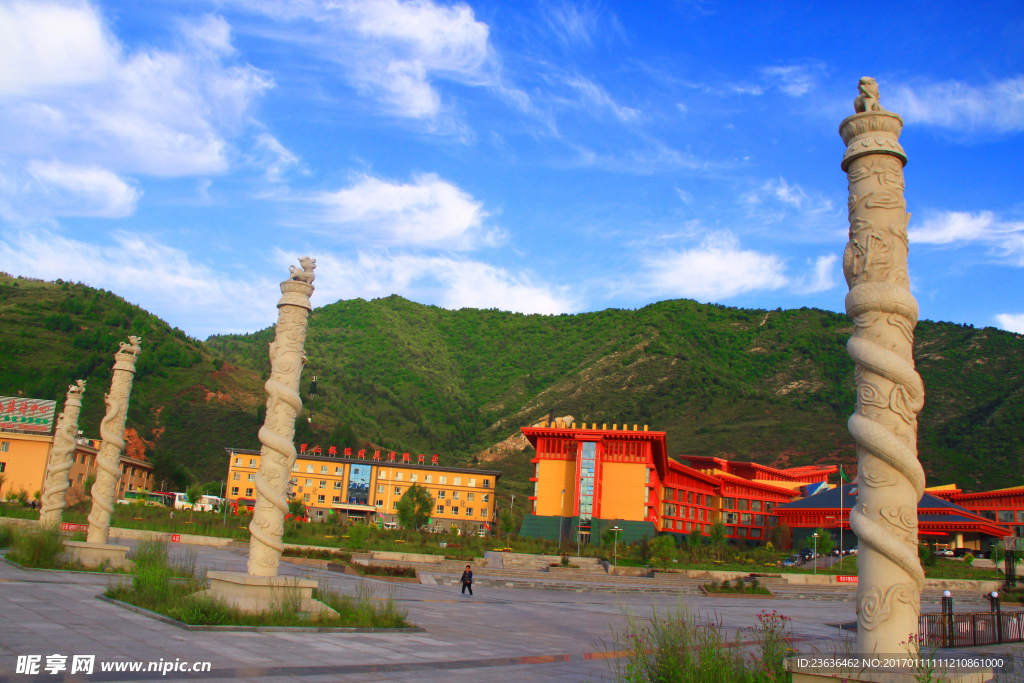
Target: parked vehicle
{"x":152,"y":499}
{"x":944,"y":552}
{"x":792,"y":561}
{"x":960,"y":552}
{"x":852,"y":551}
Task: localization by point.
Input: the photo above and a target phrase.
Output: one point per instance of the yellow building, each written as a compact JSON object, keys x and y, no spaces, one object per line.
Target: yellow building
{"x":23,"y":460}
{"x":361,"y":488}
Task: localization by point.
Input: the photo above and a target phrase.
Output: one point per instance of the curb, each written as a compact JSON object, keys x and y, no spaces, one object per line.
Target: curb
{"x":256,"y":629}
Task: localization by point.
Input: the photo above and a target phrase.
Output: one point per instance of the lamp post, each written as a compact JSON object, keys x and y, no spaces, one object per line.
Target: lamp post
{"x":616,"y":529}
{"x":947,"y":612}
{"x":223,"y":501}
{"x":561,"y":515}
{"x":815,"y":552}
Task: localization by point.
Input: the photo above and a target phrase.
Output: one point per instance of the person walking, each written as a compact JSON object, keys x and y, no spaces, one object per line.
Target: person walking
{"x":467,"y":580}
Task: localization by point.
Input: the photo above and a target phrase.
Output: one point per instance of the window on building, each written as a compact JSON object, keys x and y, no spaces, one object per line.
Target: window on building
{"x":728,"y":503}
{"x":234,"y":489}
{"x":707,"y":528}
{"x":730,"y":531}
{"x":773,"y":521}
{"x":1020,"y":518}
{"x":337,"y":484}
{"x":442,"y":480}
{"x":745,"y":518}
{"x":470,"y":496}
{"x":380,"y":488}
{"x":744,"y":504}
{"x":320,"y":498}
{"x":398,"y":490}
{"x":338,"y":471}
{"x":647,"y":493}
{"x":394,"y":505}
{"x":472,"y":481}
{"x":486,"y":497}
{"x":248,"y":492}
{"x":398,"y":476}
{"x":731,"y":518}
{"x":309,"y":482}
{"x":295,"y":467}
{"x":755,"y":505}
{"x":1006,"y":516}
{"x":305,"y":497}
{"x":647,"y":476}
{"x":428,"y":478}
{"x":319,"y":513}
{"x":988,"y":514}
{"x":413,"y":477}
{"x":741,"y":532}
{"x":700,"y":514}
{"x":455,"y":511}
{"x":689,"y":525}
{"x":483,"y":512}
{"x":670,"y":494}
{"x":335,"y":500}
{"x":323,"y":469}
{"x":252,"y":477}
{"x":487,"y":483}
{"x":323,"y":483}
{"x":309,"y":469}
{"x":440,"y":494}
{"x":440,"y":509}
{"x":455,"y":495}
{"x":380,"y":503}
{"x":469,"y":512}
{"x":755,"y":533}
{"x":700,"y":499}
{"x":759,"y":520}
{"x":689,"y":496}
{"x":458,"y":481}
{"x":382,"y":474}
{"x":237,"y":476}
{"x":252,"y":462}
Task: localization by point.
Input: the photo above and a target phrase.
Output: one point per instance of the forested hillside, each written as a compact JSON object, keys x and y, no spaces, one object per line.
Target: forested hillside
{"x":775,"y":387}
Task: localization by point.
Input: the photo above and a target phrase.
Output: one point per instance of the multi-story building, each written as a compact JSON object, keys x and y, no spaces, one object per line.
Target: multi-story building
{"x":588,"y":479}
{"x":24,"y":457}
{"x":365,"y":489}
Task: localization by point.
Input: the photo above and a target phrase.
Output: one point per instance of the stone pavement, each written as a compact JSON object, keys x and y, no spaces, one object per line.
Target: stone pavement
{"x":499,"y":634}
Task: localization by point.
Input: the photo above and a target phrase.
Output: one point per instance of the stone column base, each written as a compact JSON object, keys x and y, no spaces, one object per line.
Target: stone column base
{"x":95,"y":554}
{"x":262,"y":593}
{"x":812,"y":675}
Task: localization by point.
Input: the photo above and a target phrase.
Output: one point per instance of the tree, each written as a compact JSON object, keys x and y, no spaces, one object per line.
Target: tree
{"x":695,"y":539}
{"x":296,"y":508}
{"x":507,"y":523}
{"x":193,"y":494}
{"x":663,"y":548}
{"x":717,"y":537}
{"x":415,"y":507}
{"x":643,"y":550}
{"x":824,"y":542}
{"x":781,"y":537}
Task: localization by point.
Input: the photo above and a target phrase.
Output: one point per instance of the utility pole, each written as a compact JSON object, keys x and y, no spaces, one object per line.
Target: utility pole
{"x":561,"y":514}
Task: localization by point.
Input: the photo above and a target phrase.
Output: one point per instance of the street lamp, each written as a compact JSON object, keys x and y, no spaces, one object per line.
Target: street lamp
{"x":815,"y":552}
{"x":222,"y":503}
{"x":561,"y":514}
{"x":616,"y":529}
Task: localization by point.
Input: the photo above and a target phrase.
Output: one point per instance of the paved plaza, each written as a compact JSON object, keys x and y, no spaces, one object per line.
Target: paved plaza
{"x":499,"y":634}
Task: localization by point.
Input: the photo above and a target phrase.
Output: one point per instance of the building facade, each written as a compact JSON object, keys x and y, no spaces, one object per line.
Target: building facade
{"x":369,"y":489}
{"x":24,"y":457}
{"x":588,"y":479}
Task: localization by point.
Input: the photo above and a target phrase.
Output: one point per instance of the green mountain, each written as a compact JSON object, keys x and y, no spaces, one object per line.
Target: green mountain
{"x":772,"y":386}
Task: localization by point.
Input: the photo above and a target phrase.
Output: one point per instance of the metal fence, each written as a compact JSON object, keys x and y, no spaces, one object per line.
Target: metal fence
{"x":971,"y":628}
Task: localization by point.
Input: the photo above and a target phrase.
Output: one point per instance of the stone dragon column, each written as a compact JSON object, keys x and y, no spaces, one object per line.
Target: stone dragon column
{"x":890,"y":393}
{"x":108,"y":460}
{"x":55,"y":482}
{"x":278,"y":431}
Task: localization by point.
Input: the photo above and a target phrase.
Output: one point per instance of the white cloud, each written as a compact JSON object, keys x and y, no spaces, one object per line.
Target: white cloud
{"x":592,"y":94}
{"x":1005,"y":239}
{"x":446,"y":282}
{"x":794,"y":80}
{"x":392,"y":51}
{"x":572,"y":25}
{"x":718,"y":269}
{"x":778,"y":200}
{"x":278,"y":157}
{"x":823,"y":276}
{"x":85,"y":100}
{"x":996,"y":107}
{"x":164,"y":280}
{"x":1014,"y":322}
{"x":428,"y":212}
{"x":44,"y":189}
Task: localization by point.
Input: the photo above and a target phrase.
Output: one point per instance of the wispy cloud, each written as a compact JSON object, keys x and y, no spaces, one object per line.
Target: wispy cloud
{"x":594,"y":95}
{"x":823,"y":276}
{"x":1014,"y":322}
{"x":41,"y":190}
{"x":573,"y":25}
{"x":794,"y":80}
{"x":1005,"y":239}
{"x":428,"y":212}
{"x":996,"y":107}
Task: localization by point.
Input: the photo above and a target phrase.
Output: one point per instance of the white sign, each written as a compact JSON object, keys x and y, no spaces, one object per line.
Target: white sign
{"x":29,"y":415}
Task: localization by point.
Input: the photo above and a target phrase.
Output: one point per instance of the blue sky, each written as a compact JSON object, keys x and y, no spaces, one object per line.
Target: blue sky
{"x":534,"y":156}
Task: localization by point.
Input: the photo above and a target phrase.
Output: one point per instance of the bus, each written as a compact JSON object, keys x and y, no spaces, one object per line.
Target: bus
{"x":155,"y":499}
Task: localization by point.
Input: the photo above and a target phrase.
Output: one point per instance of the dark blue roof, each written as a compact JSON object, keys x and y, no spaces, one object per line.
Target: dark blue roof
{"x":830,"y":500}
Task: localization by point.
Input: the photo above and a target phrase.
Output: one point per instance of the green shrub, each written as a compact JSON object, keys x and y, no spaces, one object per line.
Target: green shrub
{"x":6,"y":536}
{"x":38,"y":548}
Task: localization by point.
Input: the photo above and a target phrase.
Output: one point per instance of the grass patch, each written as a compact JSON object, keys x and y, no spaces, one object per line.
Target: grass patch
{"x":682,"y":647}
{"x":373,"y":570}
{"x":42,"y":549}
{"x":168,"y":586}
{"x":750,"y":587}
{"x":319,"y":554}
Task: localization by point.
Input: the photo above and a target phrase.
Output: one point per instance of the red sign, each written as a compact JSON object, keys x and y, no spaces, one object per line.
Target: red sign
{"x":846,"y":579}
{"x":68,"y":526}
{"x":175,"y":538}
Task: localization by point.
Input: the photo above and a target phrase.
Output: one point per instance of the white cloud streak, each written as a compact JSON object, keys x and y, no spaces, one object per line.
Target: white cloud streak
{"x":794,"y":80}
{"x":823,"y":276}
{"x":594,"y":95}
{"x":997,"y":107}
{"x":1014,"y":322}
{"x":1005,"y":239}
{"x":44,"y":189}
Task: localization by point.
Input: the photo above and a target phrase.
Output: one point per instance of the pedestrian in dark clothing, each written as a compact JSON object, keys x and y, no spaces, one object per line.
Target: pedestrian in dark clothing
{"x":467,"y":580}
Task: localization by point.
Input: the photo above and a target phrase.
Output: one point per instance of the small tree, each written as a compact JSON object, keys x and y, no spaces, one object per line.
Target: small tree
{"x":717,"y":537}
{"x":781,"y":537}
{"x":193,"y":494}
{"x":643,"y":550}
{"x":507,"y":523}
{"x":663,"y":548}
{"x":296,"y":508}
{"x":824,"y":543}
{"x":415,"y":507}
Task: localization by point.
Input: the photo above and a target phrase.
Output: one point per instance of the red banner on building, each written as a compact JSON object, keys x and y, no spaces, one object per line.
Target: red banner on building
{"x":68,"y":526}
{"x":846,"y":579}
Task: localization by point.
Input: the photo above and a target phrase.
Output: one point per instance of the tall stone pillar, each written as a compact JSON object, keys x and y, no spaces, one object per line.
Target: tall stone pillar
{"x":278,"y":431}
{"x":890,"y":393}
{"x":61,"y":457}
